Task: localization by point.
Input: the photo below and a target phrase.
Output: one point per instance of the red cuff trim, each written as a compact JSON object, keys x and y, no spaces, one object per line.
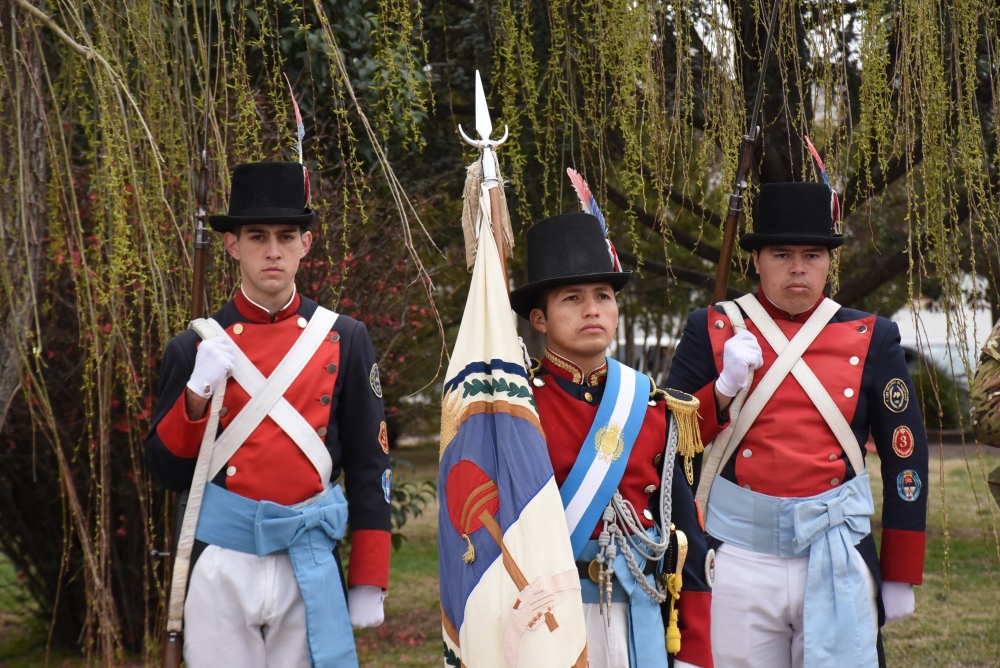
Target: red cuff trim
{"x":710,"y":428}
{"x":369,"y":558}
{"x":902,"y":557}
{"x":181,"y":435}
{"x":694,"y":619}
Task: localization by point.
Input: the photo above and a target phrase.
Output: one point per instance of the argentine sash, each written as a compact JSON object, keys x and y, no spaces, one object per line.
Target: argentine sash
{"x":602,"y":460}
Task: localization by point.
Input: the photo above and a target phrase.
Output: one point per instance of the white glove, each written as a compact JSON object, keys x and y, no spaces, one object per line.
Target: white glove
{"x":740,"y":354}
{"x":897,"y":599}
{"x":364,"y":603}
{"x":212,"y":364}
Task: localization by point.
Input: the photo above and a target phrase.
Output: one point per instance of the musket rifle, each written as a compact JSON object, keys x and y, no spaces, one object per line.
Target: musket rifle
{"x":486,"y":146}
{"x":173,"y":640}
{"x":740,"y":180}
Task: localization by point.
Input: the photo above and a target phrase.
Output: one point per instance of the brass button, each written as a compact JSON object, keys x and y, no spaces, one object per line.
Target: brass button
{"x":657,"y":459}
{"x":538,"y":382}
{"x":862,"y":329}
{"x":648,"y":515}
{"x":238,"y":328}
{"x":747,"y":454}
{"x":301,"y":322}
{"x":325,"y":400}
{"x":652,"y":402}
{"x":223,"y":412}
{"x":334,"y":337}
{"x":719,"y":324}
{"x":848,"y":393}
{"x":332,"y":368}
{"x":588,"y":396}
{"x":231,"y":471}
{"x":835,"y":481}
{"x":854,"y":361}
{"x":834,"y":457}
{"x":746,"y":486}
{"x":322,"y":432}
{"x":650,"y":489}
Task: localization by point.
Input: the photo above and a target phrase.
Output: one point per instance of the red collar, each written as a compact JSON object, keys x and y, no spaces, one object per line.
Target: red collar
{"x":258,"y":314}
{"x":777,"y":314}
{"x":559,"y":366}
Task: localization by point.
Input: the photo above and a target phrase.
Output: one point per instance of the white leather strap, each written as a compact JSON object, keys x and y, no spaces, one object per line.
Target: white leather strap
{"x":743,"y":415}
{"x":805,"y":376}
{"x":718,"y":451}
{"x":267,"y":396}
{"x":185,"y":539}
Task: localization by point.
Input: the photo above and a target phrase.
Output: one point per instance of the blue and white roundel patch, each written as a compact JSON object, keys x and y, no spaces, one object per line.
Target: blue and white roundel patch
{"x":908,"y":485}
{"x":374,"y":381}
{"x":387,"y":485}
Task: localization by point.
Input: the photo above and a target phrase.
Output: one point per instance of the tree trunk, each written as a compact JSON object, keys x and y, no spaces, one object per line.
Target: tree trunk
{"x":23,"y":175}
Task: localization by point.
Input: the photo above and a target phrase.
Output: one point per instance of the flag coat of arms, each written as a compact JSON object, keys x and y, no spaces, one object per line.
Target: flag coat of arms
{"x":510,"y":592}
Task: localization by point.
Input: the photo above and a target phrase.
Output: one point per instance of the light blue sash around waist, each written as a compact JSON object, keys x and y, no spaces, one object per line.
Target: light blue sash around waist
{"x":647,"y":644}
{"x":307,"y":532}
{"x":839,"y":630}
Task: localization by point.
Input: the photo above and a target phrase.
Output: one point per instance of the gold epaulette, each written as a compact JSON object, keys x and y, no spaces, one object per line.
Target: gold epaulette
{"x":684,"y":408}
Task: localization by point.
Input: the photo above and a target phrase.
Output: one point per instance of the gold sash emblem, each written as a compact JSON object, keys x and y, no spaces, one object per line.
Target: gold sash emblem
{"x":609,"y":442}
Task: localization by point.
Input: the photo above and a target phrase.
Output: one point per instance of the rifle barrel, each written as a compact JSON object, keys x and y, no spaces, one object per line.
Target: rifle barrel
{"x":742,"y":176}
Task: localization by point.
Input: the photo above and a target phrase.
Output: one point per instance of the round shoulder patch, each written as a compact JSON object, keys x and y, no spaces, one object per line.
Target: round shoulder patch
{"x":387,"y":485}
{"x":374,"y":381}
{"x":902,"y":441}
{"x":908,"y":485}
{"x":896,"y":396}
{"x":710,"y":567}
{"x":383,"y":437}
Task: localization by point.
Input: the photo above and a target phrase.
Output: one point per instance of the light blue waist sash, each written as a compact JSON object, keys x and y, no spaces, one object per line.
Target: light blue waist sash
{"x":839,"y":630}
{"x":307,"y":532}
{"x":646,"y":641}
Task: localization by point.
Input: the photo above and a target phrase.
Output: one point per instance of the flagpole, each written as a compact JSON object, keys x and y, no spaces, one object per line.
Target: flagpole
{"x":491,"y":179}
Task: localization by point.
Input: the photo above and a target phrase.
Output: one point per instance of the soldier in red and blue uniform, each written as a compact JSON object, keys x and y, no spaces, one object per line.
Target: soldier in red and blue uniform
{"x":773,"y":590}
{"x":251,"y":601}
{"x":570,"y":298}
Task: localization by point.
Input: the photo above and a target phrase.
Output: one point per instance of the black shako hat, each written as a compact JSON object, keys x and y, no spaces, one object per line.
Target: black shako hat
{"x":565,"y":250}
{"x":793,"y":214}
{"x":266,"y":193}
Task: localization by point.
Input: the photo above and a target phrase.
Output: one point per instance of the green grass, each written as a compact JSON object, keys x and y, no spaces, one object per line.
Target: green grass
{"x":957,"y":618}
{"x":956,"y":624}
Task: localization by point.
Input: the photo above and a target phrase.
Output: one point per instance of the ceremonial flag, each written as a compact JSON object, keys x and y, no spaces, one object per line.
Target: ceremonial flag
{"x":510,"y":592}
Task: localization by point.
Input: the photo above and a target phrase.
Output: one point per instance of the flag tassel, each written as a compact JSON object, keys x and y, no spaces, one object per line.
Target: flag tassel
{"x":470,"y":554}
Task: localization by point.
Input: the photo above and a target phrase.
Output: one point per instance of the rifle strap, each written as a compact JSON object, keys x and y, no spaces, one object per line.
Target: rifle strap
{"x":185,"y":539}
{"x":718,"y":451}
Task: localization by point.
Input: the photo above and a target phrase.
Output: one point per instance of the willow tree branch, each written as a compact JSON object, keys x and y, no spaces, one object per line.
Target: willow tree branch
{"x":690,"y":276}
{"x":91,"y":54}
{"x":698,"y":247}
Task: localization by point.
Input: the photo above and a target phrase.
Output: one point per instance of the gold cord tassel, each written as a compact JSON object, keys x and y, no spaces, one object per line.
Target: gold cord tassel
{"x":470,"y":554}
{"x":685,"y":411}
{"x":673,"y":633}
{"x":684,"y":408}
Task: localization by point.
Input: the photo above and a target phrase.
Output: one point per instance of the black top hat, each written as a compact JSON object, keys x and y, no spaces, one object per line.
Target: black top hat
{"x":267,"y":193}
{"x":565,"y":250}
{"x":793,"y":214}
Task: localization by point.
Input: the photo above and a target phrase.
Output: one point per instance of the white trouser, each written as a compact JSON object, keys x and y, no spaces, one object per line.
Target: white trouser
{"x":607,"y":646}
{"x":757,"y":605}
{"x":244,"y":611}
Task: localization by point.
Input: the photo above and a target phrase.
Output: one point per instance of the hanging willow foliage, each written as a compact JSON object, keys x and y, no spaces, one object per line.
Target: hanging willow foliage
{"x":105,"y":108}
